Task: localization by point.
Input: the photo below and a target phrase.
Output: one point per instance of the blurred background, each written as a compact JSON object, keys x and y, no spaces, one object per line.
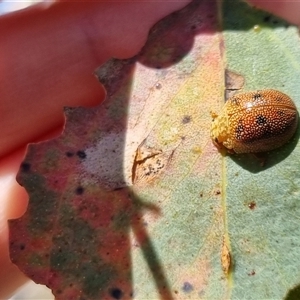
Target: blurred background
{"x":29,"y":291}
{"x":7,"y":6}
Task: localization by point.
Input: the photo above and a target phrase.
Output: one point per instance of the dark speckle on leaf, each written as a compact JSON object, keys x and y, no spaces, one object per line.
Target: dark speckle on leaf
{"x":25,"y":167}
{"x":116,"y":293}
{"x":252,"y":205}
{"x":187,"y":287}
{"x":158,"y":86}
{"x":79,"y":190}
{"x":81,"y":154}
{"x":267,"y":18}
{"x":69,"y":154}
{"x":186,"y":119}
{"x":22,"y":247}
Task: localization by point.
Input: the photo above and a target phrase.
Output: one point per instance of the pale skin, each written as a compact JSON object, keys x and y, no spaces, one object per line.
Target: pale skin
{"x":47,"y":59}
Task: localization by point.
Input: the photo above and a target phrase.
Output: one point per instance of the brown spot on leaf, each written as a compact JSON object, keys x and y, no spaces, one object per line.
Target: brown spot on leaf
{"x":252,"y":205}
{"x":186,"y":119}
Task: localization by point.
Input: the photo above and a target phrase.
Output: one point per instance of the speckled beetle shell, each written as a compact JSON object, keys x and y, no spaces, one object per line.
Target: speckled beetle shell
{"x":255,"y":122}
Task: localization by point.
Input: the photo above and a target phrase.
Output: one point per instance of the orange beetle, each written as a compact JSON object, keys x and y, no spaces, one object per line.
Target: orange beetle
{"x":255,"y":122}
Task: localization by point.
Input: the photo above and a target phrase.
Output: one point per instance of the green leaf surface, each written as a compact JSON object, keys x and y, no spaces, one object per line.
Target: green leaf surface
{"x":134,"y":201}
